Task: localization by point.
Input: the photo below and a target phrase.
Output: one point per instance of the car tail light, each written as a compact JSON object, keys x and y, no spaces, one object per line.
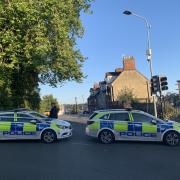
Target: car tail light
{"x":90,"y":122}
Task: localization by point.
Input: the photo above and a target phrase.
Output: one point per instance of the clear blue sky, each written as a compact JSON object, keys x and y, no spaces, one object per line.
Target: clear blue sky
{"x":110,"y":35}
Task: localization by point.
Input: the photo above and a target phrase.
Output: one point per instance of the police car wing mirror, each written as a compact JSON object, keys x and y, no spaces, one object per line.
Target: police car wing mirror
{"x":153,"y":122}
{"x":33,"y":121}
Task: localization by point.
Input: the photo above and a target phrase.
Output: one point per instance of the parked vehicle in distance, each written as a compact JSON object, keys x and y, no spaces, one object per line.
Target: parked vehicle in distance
{"x":121,"y":124}
{"x":24,"y":124}
{"x":85,"y":112}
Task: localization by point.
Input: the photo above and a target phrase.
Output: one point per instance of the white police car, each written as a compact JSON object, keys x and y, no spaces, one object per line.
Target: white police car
{"x":23,"y":124}
{"x":122,"y":124}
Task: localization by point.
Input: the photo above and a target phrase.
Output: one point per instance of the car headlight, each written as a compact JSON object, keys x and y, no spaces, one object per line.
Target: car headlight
{"x":63,"y":127}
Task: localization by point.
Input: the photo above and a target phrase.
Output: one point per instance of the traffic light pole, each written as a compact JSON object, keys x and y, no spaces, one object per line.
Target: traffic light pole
{"x":161,"y":101}
{"x":162,"y":87}
{"x":151,"y":70}
{"x":154,"y":104}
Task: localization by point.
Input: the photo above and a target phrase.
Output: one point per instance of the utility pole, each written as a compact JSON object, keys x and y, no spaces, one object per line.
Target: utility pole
{"x":76,"y":104}
{"x":178,"y":83}
{"x":148,"y":51}
{"x":83,"y":103}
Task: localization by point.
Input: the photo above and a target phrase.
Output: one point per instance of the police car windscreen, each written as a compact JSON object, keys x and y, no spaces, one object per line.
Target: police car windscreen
{"x":93,"y":115}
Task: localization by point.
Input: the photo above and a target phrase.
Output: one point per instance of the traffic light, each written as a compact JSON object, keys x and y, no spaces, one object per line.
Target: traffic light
{"x":163,"y":83}
{"x":155,"y":84}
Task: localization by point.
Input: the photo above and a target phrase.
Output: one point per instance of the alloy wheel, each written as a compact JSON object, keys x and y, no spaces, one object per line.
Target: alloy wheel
{"x":106,"y":137}
{"x":172,"y":139}
{"x":48,"y":136}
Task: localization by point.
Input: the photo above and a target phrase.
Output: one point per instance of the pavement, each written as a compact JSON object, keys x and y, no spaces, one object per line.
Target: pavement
{"x":84,"y":158}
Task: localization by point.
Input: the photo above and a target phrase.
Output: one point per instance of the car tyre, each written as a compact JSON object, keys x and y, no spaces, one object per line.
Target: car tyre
{"x":106,"y":137}
{"x":171,"y":138}
{"x":48,"y":136}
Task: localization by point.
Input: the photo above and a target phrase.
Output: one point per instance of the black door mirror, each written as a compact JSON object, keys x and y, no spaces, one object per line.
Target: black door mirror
{"x":153,"y":121}
{"x":33,"y":121}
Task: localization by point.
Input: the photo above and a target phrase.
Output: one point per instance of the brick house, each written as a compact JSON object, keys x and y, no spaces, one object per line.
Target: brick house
{"x":103,"y":94}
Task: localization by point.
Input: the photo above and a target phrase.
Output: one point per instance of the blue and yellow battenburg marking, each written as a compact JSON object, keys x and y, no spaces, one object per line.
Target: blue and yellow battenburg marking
{"x":132,"y":128}
{"x":17,"y":128}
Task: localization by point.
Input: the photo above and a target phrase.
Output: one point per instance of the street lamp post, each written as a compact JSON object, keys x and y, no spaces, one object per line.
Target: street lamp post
{"x":76,"y":105}
{"x":148,"y":51}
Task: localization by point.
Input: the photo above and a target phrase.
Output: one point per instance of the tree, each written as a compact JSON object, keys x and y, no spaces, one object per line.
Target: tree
{"x":38,"y":45}
{"x":47,"y":100}
{"x":173,"y":99}
{"x":126,"y":97}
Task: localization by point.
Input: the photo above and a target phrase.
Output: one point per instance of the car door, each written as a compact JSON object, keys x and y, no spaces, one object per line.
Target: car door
{"x":6,"y":121}
{"x":25,"y":129}
{"x":144,"y":129}
{"x":123,"y":127}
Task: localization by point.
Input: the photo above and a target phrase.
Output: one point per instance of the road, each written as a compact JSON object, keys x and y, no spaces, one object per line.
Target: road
{"x":83,"y":158}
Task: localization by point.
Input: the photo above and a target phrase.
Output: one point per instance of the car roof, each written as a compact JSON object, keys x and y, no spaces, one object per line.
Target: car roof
{"x":27,"y":112}
{"x":5,"y":112}
{"x":11,"y":112}
{"x":21,"y":111}
{"x":118,"y":110}
{"x":15,"y":110}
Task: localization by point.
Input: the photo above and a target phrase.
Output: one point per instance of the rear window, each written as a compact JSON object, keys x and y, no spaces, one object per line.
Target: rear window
{"x":7,"y":117}
{"x":93,"y":115}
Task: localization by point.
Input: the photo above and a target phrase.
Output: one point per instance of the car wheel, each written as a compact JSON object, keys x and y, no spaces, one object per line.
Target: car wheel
{"x":48,"y":136}
{"x":172,"y":138}
{"x":106,"y":137}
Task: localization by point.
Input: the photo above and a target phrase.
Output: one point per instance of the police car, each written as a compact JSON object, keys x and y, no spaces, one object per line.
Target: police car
{"x":23,"y":124}
{"x":122,"y":124}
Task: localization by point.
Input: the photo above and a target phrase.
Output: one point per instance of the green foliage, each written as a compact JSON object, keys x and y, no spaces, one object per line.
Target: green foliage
{"x":42,"y":35}
{"x":171,"y":112}
{"x":171,"y":104}
{"x":173,"y":99}
{"x":126,"y":96}
{"x":45,"y":104}
{"x":38,"y":45}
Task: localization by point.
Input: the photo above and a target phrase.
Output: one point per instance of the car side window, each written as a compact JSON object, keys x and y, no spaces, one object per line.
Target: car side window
{"x":7,"y":117}
{"x":141,"y":118}
{"x":24,"y":118}
{"x":119,"y":116}
{"x":105,"y":117}
{"x":23,"y":115}
{"x":27,"y":120}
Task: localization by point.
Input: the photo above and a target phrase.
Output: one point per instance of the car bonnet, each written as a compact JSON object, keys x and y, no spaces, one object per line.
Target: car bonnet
{"x":60,"y":122}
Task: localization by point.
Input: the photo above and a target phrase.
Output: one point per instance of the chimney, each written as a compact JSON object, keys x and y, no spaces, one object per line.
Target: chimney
{"x":129,"y":63}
